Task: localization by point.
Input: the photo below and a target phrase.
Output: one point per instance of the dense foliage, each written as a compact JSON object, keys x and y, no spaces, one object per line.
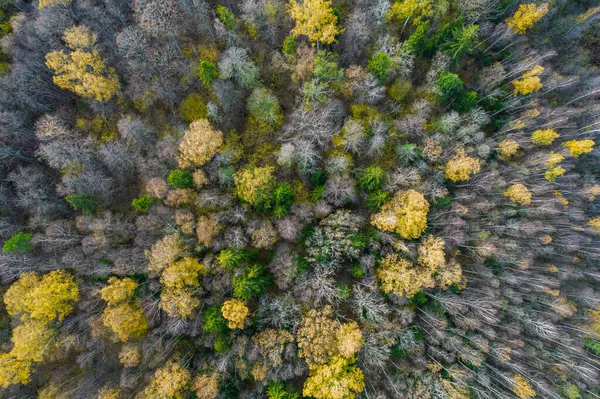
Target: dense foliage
{"x":330,"y":199}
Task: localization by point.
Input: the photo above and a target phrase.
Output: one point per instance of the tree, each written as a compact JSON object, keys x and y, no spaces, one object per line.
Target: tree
{"x":462,"y":41}
{"x":521,"y":387}
{"x":264,"y":109}
{"x":169,"y":382}
{"x":165,"y":252}
{"x":529,"y":82}
{"x":272,"y":344}
{"x":450,"y":86}
{"x":207,"y":72}
{"x":86,"y":203}
{"x":83,"y":70}
{"x":46,"y":299}
{"x":544,"y":137}
{"x":200,"y":143}
{"x":236,"y":64}
{"x":180,"y":280}
{"x":461,"y":167}
{"x":181,"y":179}
{"x":506,"y":149}
{"x":255,"y":184}
{"x":235,"y":312}
{"x":405,"y":214}
{"x":123,"y":315}
{"x":380,"y":66}
{"x":518,"y":193}
{"x":206,"y":386}
{"x":38,"y":303}
{"x":526,"y":16}
{"x":54,"y":3}
{"x":578,"y":147}
{"x":338,"y":379}
{"x":19,"y":243}
{"x":315,"y":19}
{"x":192,"y":108}
{"x":404,"y":10}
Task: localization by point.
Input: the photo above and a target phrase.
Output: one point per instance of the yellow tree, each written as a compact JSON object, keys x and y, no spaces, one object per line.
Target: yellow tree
{"x":544,"y":137}
{"x":169,"y":382}
{"x":38,"y":302}
{"x":180,"y":281}
{"x":54,"y":3}
{"x":526,"y":16}
{"x":518,"y":193}
{"x":46,"y":299}
{"x":415,"y":9}
{"x":506,"y":149}
{"x":405,"y":214}
{"x":254,"y":185}
{"x":200,"y":143}
{"x":315,"y":19}
{"x":83,"y":70}
{"x":206,"y":386}
{"x":521,"y":387}
{"x":461,"y":167}
{"x":578,"y":147}
{"x":235,"y":312}
{"x":340,"y":378}
{"x":123,"y":315}
{"x":529,"y":82}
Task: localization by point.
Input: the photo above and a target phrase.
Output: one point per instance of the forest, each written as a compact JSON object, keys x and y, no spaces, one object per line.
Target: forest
{"x":285,"y":199}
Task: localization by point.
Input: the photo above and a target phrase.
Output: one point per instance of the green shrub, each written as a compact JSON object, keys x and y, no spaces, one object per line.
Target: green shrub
{"x":376,"y":199}
{"x":142,"y":204}
{"x":19,"y":243}
{"x":181,"y":179}
{"x":192,"y":108}
{"x":379,"y":66}
{"x":86,"y":204}
{"x":357,"y":270}
{"x":207,"y":72}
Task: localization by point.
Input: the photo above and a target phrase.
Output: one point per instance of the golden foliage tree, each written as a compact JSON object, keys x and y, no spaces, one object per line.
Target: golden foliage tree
{"x":272,"y":342}
{"x":180,"y":282}
{"x":526,"y":16}
{"x":83,"y":70}
{"x":461,"y":167}
{"x":54,"y":3}
{"x":47,"y":298}
{"x":578,"y":147}
{"x":403,"y":278}
{"x":235,"y":312}
{"x":254,"y":185}
{"x":506,"y":149}
{"x":413,"y":9}
{"x":38,"y":302}
{"x":123,"y":315}
{"x":315,"y":19}
{"x":206,"y":386}
{"x":518,"y":193}
{"x":544,"y":137}
{"x":200,"y":143}
{"x":529,"y":82}
{"x":169,"y":382}
{"x":405,"y":214}
{"x":521,"y":387}
{"x":165,"y":252}
{"x":340,"y":378}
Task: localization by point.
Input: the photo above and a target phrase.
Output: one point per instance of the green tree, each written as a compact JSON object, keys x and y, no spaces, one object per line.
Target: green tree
{"x":462,"y":41}
{"x":371,"y":178}
{"x":227,"y":17}
{"x":451,"y":87}
{"x":207,"y":72}
{"x":264,"y":109}
{"x":181,"y":179}
{"x":192,"y":108}
{"x":379,"y":66}
{"x":85,"y":203}
{"x":19,"y":243}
